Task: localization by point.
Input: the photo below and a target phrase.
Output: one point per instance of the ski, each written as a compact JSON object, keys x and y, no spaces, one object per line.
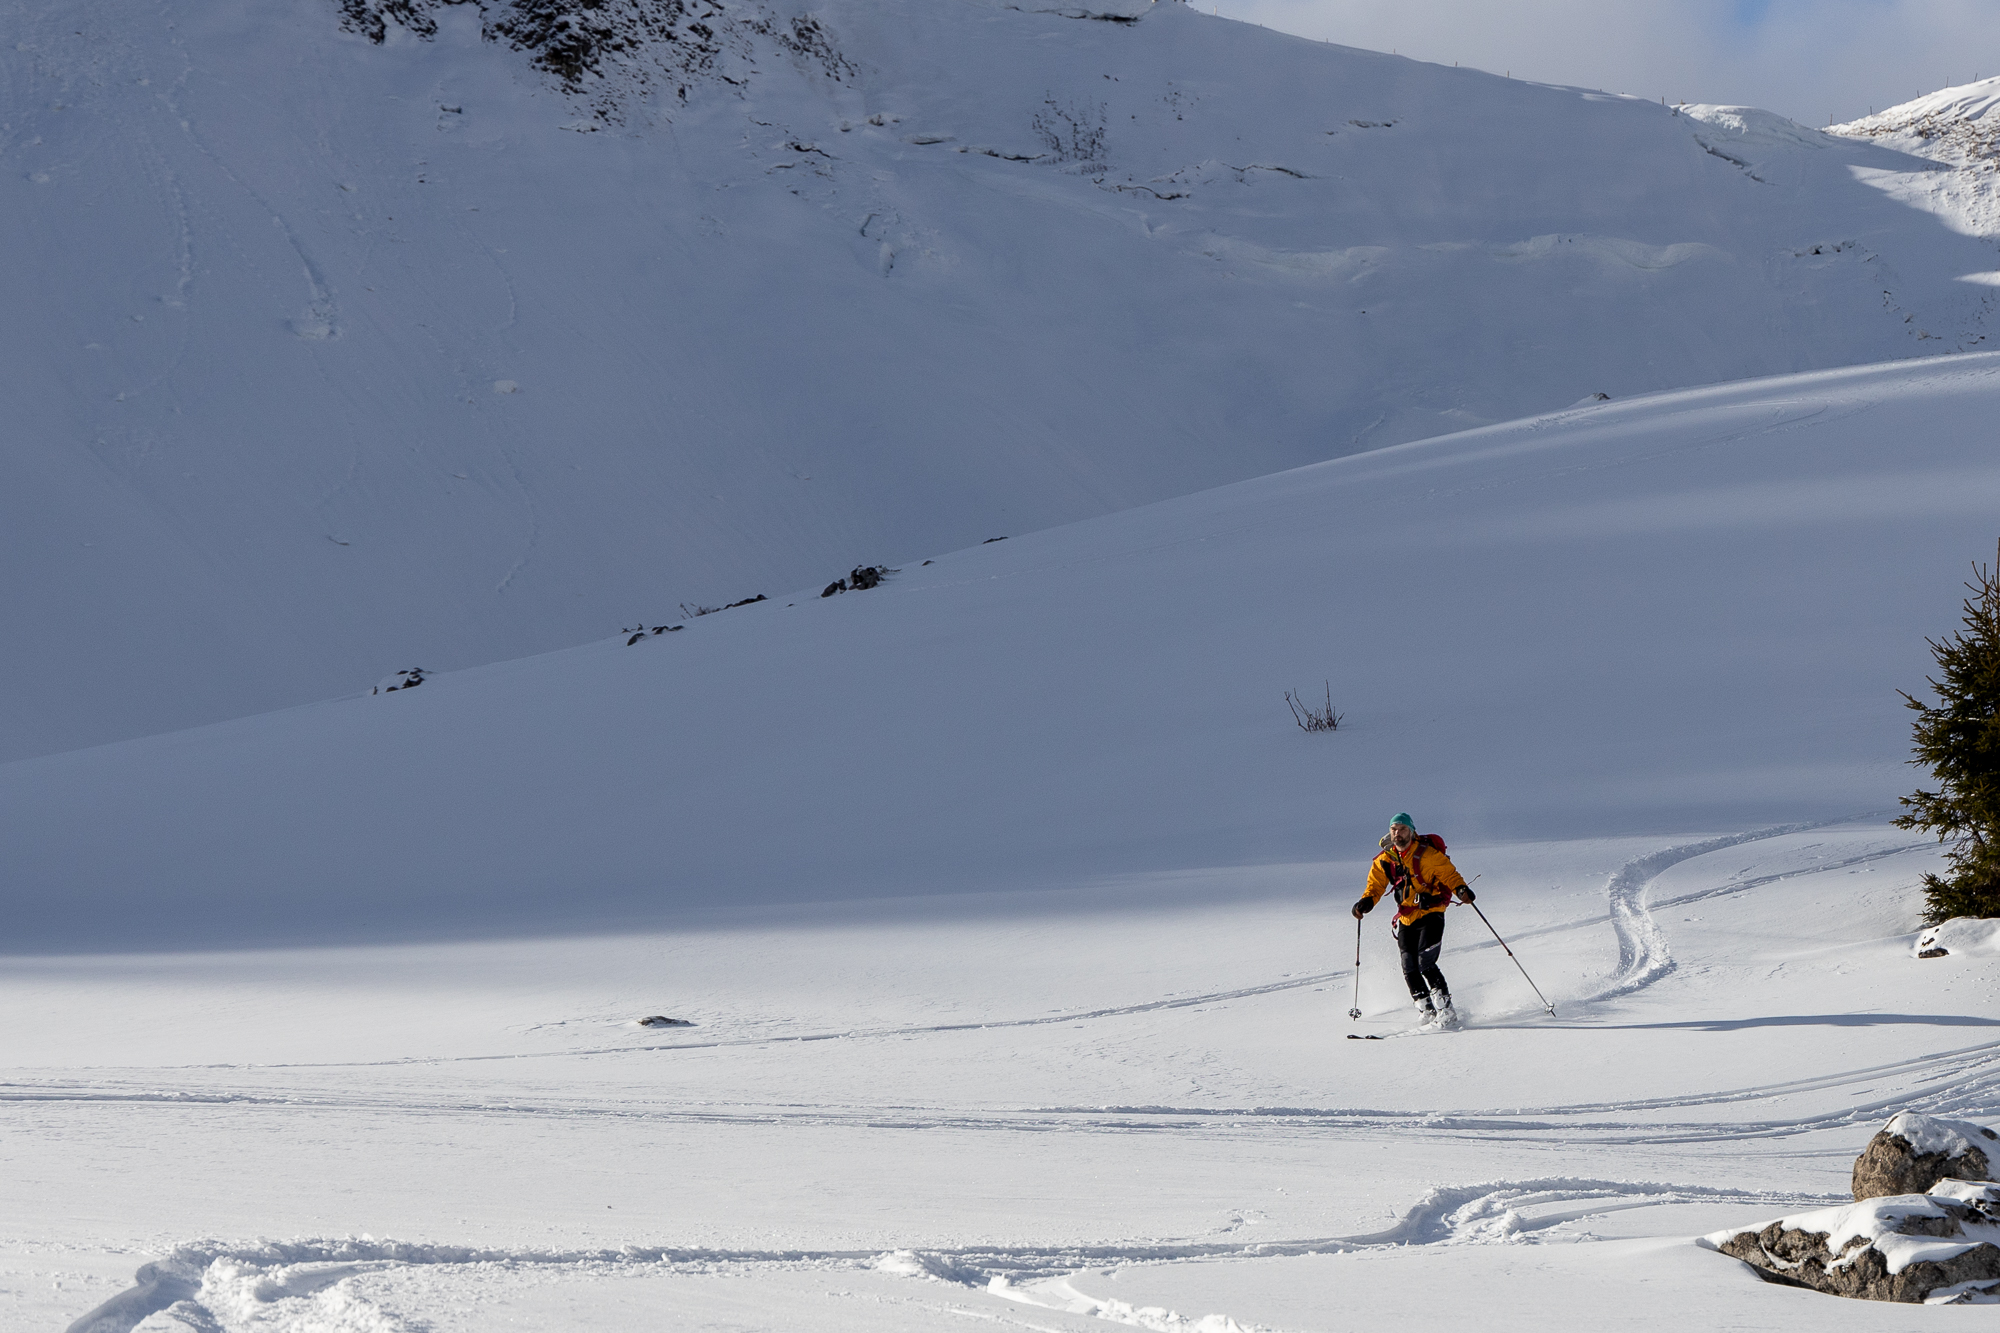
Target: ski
{"x":1421,"y":1030}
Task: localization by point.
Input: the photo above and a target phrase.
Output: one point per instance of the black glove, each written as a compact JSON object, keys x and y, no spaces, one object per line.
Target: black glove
{"x":1363,"y":908}
{"x":1465,"y":894}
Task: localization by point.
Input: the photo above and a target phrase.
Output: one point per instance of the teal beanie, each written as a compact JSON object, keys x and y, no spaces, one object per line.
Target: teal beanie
{"x":1403,"y":819}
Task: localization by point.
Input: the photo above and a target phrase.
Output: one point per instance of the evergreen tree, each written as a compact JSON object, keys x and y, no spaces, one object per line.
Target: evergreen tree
{"x":1959,"y":742}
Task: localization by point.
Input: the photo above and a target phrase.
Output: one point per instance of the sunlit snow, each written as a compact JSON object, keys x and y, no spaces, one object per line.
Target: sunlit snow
{"x":540,"y":933}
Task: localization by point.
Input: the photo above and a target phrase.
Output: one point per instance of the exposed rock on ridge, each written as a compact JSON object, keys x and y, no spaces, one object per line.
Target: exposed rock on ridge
{"x":614,"y":52}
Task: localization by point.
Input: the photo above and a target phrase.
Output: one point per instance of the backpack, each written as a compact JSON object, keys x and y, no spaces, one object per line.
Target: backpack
{"x":1398,"y":882}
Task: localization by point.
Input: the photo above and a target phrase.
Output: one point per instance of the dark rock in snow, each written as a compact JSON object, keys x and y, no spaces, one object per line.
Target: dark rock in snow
{"x":859,"y":579}
{"x":1913,"y":1152}
{"x":401,"y":680}
{"x":662,"y":1021}
{"x":1925,"y":1226}
{"x":1933,"y":1249}
{"x":1960,"y":935}
{"x":615,"y":52}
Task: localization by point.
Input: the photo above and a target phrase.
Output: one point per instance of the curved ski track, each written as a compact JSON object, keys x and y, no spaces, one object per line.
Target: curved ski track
{"x":303,"y":1274}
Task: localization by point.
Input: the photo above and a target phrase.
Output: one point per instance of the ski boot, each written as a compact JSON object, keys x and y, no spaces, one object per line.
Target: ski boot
{"x":1447,"y":1016}
{"x":1427,"y":1014}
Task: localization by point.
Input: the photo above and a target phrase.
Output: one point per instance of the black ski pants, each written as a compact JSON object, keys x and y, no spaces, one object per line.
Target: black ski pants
{"x":1419,"y":943}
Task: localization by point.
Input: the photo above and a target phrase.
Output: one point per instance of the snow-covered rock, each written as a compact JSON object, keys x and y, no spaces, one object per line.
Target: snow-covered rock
{"x":400,"y":680}
{"x":1937,"y":1248}
{"x":1960,"y":935}
{"x":1913,"y":1152}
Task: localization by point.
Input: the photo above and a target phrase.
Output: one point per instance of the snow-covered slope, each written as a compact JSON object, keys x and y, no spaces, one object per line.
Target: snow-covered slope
{"x":1683,"y":612}
{"x":326,"y":357}
{"x":1141,"y":1106}
{"x":1957,"y":130}
{"x":1636,"y":660}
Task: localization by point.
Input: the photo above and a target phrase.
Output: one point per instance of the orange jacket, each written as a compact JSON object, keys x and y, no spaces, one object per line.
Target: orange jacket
{"x":1422,"y":876}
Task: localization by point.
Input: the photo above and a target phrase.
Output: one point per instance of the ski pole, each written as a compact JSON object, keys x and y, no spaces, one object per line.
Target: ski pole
{"x":1355,"y":1012}
{"x":1517,"y":963}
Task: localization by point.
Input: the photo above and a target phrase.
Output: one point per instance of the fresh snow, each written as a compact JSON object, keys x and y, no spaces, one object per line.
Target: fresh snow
{"x":1673,"y":615}
{"x":1957,"y":131}
{"x":1960,"y":935}
{"x":1006,"y":908}
{"x":997,"y":914}
{"x":326,"y":359}
{"x":1928,"y":1134}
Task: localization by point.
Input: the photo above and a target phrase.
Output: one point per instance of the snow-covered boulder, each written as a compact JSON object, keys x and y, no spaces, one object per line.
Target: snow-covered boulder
{"x":1961,"y":934}
{"x":1940,"y":1248}
{"x":1913,"y":1152}
{"x":400,"y":680}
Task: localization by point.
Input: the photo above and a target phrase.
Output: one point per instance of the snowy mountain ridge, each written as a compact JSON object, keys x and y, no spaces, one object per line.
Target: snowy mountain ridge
{"x":334,"y":357}
{"x":1958,"y":128}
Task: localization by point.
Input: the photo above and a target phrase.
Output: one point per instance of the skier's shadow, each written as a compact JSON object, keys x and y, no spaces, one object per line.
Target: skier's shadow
{"x":1794,"y":1021}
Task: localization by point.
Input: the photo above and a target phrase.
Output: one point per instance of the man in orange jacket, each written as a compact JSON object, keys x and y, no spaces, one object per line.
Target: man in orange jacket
{"x":1425,"y":882}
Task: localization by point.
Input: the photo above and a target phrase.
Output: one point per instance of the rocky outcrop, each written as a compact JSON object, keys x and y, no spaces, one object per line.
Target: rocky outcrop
{"x":1913,"y":1152}
{"x":618,"y":52}
{"x":1938,"y":1248}
{"x":1924,"y":1227}
{"x":860,"y":579}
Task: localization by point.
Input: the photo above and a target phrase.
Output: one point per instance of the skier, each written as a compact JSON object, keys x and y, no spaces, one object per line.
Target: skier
{"x":1425,"y":882}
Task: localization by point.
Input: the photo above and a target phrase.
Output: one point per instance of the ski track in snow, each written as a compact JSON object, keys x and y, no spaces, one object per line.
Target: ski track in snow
{"x":1644,"y":958}
{"x":1960,"y":1082}
{"x":307,"y":1284}
{"x":310,"y":1284}
{"x":1643,"y":955}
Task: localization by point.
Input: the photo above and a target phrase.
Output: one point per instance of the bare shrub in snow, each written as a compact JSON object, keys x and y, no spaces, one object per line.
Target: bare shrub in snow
{"x":640,"y":631}
{"x":1313,"y":718}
